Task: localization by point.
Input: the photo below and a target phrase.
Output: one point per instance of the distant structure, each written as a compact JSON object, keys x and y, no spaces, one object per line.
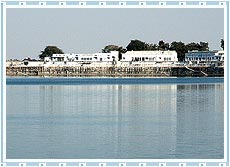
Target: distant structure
{"x":140,"y":58}
{"x":150,"y":56}
{"x":131,"y":63}
{"x":205,"y":58}
{"x":95,"y":57}
{"x":112,"y":57}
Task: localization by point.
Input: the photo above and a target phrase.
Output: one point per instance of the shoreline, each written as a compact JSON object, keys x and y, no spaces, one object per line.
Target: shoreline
{"x":113,"y":81}
{"x":140,"y":71}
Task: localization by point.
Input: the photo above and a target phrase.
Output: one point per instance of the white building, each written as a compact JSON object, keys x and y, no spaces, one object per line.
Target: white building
{"x":220,"y":55}
{"x":150,"y":56}
{"x":205,"y":58}
{"x":96,"y":57}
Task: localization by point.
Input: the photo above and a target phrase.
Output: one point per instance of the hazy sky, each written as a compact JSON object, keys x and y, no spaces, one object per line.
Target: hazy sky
{"x":88,"y":30}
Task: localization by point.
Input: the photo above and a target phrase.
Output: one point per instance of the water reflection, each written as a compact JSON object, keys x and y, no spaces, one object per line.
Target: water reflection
{"x":115,"y":121}
{"x":200,"y":121}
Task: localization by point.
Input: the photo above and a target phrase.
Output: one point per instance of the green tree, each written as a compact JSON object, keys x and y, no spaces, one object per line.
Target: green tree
{"x":110,"y":48}
{"x":152,"y":47}
{"x":137,"y":45}
{"x":203,"y":46}
{"x":180,"y":48}
{"x":49,"y":51}
{"x":192,"y":46}
{"x":222,"y":44}
{"x":162,"y":45}
{"x":166,"y":47}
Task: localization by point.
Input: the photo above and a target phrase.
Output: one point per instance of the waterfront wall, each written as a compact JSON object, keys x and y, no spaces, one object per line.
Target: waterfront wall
{"x":115,"y":71}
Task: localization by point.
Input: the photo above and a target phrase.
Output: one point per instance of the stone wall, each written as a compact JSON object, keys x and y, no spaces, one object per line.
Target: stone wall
{"x":114,"y":71}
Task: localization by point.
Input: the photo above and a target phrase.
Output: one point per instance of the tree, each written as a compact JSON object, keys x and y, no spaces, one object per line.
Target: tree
{"x":49,"y":51}
{"x":166,"y":46}
{"x":192,"y":46}
{"x":152,"y":47}
{"x":162,"y":45}
{"x":110,"y":48}
{"x":222,"y":44}
{"x":203,"y":46}
{"x":137,"y":45}
{"x":180,"y":48}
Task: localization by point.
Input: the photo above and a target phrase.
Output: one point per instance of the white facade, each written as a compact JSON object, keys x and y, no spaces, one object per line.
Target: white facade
{"x":99,"y":57}
{"x":150,"y":56}
{"x":205,"y":58}
{"x":96,"y":57}
{"x":220,"y":54}
{"x":10,"y":63}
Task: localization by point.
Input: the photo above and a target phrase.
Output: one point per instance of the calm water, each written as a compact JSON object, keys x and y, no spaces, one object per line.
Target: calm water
{"x":115,"y":118}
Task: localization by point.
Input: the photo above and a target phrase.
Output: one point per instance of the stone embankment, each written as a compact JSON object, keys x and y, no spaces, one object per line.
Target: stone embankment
{"x":116,"y":71}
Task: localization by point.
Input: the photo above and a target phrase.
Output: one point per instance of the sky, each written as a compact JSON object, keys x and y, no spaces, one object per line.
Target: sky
{"x":29,"y":31}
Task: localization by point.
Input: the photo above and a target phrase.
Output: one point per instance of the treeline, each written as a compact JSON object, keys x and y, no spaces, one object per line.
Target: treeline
{"x":180,"y":47}
{"x":137,"y":45}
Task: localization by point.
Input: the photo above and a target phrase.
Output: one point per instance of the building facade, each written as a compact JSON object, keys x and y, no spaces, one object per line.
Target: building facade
{"x":205,"y":58}
{"x":95,"y":57}
{"x":150,"y":56}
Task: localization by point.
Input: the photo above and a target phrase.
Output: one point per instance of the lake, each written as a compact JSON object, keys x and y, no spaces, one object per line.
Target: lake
{"x":115,"y":118}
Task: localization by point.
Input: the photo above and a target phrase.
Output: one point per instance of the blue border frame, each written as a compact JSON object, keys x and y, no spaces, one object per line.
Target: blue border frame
{"x":1,"y":75}
{"x":111,"y":3}
{"x":227,"y":64}
{"x":115,"y":3}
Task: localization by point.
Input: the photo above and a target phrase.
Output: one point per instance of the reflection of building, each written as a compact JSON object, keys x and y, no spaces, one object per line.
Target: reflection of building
{"x":146,"y":118}
{"x":205,"y":57}
{"x":200,"y":121}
